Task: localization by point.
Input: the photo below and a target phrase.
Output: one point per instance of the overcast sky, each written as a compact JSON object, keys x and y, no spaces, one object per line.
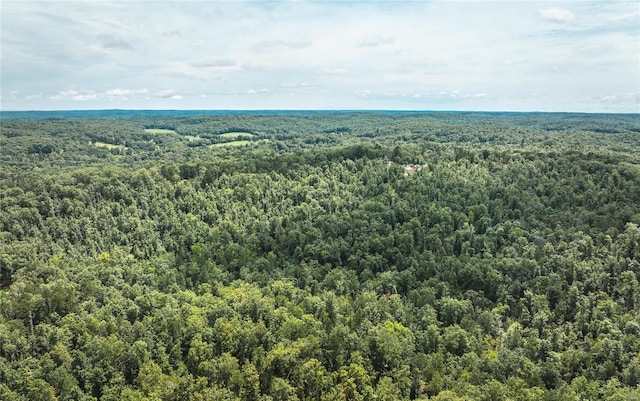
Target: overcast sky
{"x":418,"y":55}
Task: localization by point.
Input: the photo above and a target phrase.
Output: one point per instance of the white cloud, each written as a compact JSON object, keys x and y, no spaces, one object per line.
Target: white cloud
{"x":334,"y":71}
{"x":34,"y":96}
{"x":90,"y":96}
{"x":255,"y":91}
{"x":375,"y":41}
{"x":172,"y":33}
{"x":274,"y":45}
{"x":117,"y":44}
{"x":64,"y":94}
{"x":220,"y":63}
{"x":114,"y":93}
{"x":84,"y":95}
{"x":557,"y":15}
{"x":303,"y":84}
{"x":633,"y":98}
{"x":182,"y":73}
{"x":315,"y":54}
{"x":165,"y":94}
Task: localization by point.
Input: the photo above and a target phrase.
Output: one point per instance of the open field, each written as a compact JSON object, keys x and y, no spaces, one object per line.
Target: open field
{"x":230,"y":144}
{"x":109,"y":146}
{"x":159,"y":131}
{"x":236,"y":134}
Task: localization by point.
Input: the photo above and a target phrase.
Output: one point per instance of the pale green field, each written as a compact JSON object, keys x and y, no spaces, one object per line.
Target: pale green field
{"x":236,"y":134}
{"x":227,"y":144}
{"x":192,"y":138}
{"x":109,"y":146}
{"x":159,"y":131}
{"x":237,"y":143}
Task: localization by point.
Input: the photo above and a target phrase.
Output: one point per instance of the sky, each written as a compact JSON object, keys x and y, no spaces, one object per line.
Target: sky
{"x":390,"y":55}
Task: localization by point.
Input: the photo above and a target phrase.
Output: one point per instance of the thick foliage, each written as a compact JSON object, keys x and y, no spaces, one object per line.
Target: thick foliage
{"x":302,"y":270}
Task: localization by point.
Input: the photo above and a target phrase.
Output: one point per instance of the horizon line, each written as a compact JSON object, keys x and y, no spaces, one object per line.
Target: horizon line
{"x":326,"y":110}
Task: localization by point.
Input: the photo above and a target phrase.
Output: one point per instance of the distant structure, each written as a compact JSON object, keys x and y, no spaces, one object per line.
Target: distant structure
{"x":409,"y":168}
{"x":412,"y":168}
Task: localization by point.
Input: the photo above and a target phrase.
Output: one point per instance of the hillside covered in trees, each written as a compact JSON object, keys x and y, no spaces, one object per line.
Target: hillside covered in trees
{"x":320,"y":256}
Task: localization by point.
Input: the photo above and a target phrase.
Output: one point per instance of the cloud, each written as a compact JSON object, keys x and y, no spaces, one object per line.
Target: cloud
{"x":303,"y":84}
{"x":256,"y":91}
{"x":181,"y":74}
{"x":424,"y":68}
{"x":375,"y":41}
{"x":221,"y":63}
{"x":84,"y":95}
{"x":334,"y":71}
{"x":274,"y":45}
{"x":326,"y":54}
{"x":557,"y":15}
{"x":125,"y":93}
{"x":91,"y":96}
{"x":117,"y":44}
{"x":173,"y":33}
{"x":70,"y":94}
{"x":632,"y":98}
{"x":34,"y":96}
{"x":64,"y":94}
{"x":166,"y":94}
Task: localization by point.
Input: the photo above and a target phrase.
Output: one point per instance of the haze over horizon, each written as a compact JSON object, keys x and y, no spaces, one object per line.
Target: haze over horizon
{"x":342,"y":55}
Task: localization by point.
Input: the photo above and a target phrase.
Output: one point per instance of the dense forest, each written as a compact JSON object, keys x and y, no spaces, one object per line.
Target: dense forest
{"x":320,"y":256}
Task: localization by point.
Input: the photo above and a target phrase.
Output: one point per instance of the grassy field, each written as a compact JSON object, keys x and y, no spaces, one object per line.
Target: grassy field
{"x":192,"y":138}
{"x":159,"y":131}
{"x":236,"y":134}
{"x":229,"y":144}
{"x":109,"y":146}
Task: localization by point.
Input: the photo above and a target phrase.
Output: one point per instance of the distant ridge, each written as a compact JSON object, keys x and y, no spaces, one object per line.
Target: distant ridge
{"x":120,"y":113}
